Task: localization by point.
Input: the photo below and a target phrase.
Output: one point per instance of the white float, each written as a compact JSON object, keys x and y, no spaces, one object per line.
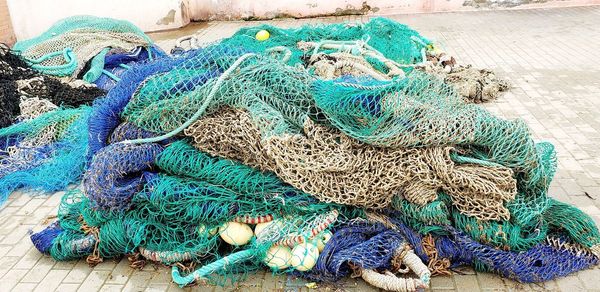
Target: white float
{"x":236,"y":233}
{"x":304,"y":256}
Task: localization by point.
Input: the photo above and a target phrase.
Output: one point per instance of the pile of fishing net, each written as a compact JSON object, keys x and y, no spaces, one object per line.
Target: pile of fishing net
{"x":335,"y":49}
{"x":26,"y":93}
{"x":43,"y":134}
{"x":248,"y":154}
{"x":37,"y":79}
{"x":86,"y":47}
{"x":97,"y":50}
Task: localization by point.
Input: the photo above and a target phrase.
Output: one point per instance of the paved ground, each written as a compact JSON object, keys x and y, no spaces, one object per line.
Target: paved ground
{"x":551,"y":58}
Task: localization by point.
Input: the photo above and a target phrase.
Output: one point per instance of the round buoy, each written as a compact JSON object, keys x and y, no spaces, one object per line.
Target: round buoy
{"x":304,"y":256}
{"x":236,"y":233}
{"x":262,"y":226}
{"x":262,"y":35}
{"x":278,"y":257}
{"x":323,"y":238}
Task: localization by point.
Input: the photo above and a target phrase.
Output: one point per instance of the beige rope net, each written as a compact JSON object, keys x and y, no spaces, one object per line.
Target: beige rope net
{"x":88,"y":42}
{"x":33,"y":107}
{"x":336,"y":168}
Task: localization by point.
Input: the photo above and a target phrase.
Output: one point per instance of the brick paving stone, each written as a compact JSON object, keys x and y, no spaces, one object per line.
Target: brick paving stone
{"x":546,"y":286}
{"x":139,"y":280}
{"x":54,"y":200}
{"x":4,"y":250}
{"x":489,"y":281}
{"x":64,"y":265}
{"x":9,"y":226}
{"x":11,"y":279}
{"x":173,"y":287}
{"x":31,"y":206}
{"x":153,"y":287}
{"x":19,"y":249}
{"x":466,"y":283}
{"x":107,"y":265}
{"x":114,"y":288}
{"x":17,"y":234}
{"x":51,"y":281}
{"x":79,"y":273}
{"x":29,"y":260}
{"x":443,"y":282}
{"x":40,"y":270}
{"x":120,"y":274}
{"x":24,"y":287}
{"x":19,"y":201}
{"x":39,"y":215}
{"x":515,"y":286}
{"x":161,"y":276}
{"x":590,"y":278}
{"x":276,"y":282}
{"x":253,"y":282}
{"x":6,"y":264}
{"x":570,"y":283}
{"x":544,"y":53}
{"x":67,"y":288}
{"x":94,"y":281}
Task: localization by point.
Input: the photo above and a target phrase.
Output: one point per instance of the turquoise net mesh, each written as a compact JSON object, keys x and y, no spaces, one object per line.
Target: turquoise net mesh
{"x":247,"y":153}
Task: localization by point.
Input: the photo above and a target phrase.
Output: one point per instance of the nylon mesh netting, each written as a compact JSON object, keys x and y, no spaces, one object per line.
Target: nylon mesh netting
{"x":66,"y":47}
{"x":245,"y":154}
{"x":26,"y":93}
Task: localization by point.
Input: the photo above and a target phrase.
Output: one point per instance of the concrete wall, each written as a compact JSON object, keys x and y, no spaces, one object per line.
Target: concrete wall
{"x":32,"y":17}
{"x":7,"y":35}
{"x":268,"y":9}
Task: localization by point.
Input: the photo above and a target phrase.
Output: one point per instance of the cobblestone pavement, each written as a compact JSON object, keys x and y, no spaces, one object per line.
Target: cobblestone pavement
{"x":551,"y":58}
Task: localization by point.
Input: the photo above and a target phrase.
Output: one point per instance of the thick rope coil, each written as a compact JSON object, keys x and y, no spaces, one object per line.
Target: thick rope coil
{"x":388,"y":281}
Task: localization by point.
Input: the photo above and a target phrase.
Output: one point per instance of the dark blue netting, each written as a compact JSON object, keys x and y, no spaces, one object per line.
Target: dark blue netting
{"x":540,"y":263}
{"x":63,"y":244}
{"x":372,"y":246}
{"x":43,"y":239}
{"x":369,"y":246}
{"x":116,"y":174}
{"x":106,"y":114}
{"x":129,"y":131}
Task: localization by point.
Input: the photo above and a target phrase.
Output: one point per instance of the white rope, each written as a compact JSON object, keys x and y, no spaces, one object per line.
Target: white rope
{"x":388,"y":281}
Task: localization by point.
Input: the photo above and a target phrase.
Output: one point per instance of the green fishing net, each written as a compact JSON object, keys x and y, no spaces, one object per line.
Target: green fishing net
{"x":66,"y":47}
{"x":308,"y":126}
